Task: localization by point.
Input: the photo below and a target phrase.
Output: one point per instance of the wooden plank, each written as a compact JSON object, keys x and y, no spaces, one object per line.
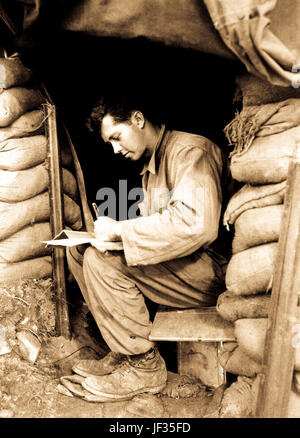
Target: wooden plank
{"x":198,"y":324}
{"x":8,"y":21}
{"x":278,"y":364}
{"x":57,"y":223}
{"x":201,"y":360}
{"x":87,"y":215}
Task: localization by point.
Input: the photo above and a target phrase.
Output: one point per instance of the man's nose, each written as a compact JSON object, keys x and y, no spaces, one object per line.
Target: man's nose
{"x":116,"y":147}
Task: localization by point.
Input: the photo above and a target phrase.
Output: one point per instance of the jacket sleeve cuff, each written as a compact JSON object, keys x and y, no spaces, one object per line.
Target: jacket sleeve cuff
{"x":131,"y":251}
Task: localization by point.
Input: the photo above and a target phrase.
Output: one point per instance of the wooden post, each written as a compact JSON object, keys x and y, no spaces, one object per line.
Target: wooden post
{"x":87,"y":216}
{"x":8,"y":21}
{"x":57,"y":224}
{"x":279,"y":355}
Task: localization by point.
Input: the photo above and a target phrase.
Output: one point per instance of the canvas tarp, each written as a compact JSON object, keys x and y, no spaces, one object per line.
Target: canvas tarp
{"x":262,"y":34}
{"x":245,"y":27}
{"x":184,"y":23}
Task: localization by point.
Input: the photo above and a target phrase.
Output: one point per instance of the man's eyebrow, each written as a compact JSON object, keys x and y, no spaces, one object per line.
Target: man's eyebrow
{"x":114,"y":134}
{"x":106,"y":140}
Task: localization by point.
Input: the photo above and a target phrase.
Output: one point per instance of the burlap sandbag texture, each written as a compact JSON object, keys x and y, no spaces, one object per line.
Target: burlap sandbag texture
{"x":15,"y":216}
{"x":232,"y":307}
{"x":250,"y":272}
{"x":19,"y":185}
{"x":265,"y":136}
{"x":257,"y":226}
{"x":256,"y":91}
{"x":26,"y":243}
{"x":23,"y":153}
{"x":267,"y":159}
{"x":38,"y":267}
{"x":24,"y":179}
{"x":251,"y":335}
{"x":13,"y":73}
{"x":239,"y":363}
{"x":250,"y":196}
{"x":25,"y":207}
{"x":31,"y":123}
{"x":17,"y":101}
{"x":261,"y":121}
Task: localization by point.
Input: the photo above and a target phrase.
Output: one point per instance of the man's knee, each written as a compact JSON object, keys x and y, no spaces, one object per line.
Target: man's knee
{"x":95,"y":260}
{"x":75,"y":257}
{"x":90,"y":256}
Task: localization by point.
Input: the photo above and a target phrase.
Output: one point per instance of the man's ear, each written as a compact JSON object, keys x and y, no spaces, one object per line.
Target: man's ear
{"x":138,"y":119}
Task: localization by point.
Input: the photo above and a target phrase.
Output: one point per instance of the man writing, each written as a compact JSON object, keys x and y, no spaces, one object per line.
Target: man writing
{"x":169,"y":253}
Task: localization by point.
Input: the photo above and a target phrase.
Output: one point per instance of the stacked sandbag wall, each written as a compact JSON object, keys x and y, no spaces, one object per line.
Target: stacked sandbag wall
{"x":24,"y":178}
{"x":264,"y":135}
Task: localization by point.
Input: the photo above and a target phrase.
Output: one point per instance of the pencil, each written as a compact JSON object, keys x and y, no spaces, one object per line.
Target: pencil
{"x":95,"y":207}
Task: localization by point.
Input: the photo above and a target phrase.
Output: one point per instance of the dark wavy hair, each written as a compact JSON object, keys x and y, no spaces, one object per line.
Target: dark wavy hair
{"x":120,"y":108}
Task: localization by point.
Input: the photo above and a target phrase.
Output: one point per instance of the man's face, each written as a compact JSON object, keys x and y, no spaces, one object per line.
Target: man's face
{"x":126,"y":138}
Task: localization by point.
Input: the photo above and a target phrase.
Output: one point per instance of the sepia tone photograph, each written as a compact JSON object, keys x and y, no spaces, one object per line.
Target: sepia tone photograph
{"x":149,"y":212}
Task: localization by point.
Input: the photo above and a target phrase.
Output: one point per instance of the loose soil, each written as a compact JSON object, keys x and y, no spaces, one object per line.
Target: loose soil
{"x":30,"y":390}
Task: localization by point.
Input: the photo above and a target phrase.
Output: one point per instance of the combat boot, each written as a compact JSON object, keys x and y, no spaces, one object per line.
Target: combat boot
{"x":138,"y":374}
{"x":100,"y":367}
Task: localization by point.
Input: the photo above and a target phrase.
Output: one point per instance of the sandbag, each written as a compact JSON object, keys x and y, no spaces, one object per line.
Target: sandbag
{"x":261,"y":121}
{"x":239,"y":363}
{"x":69,"y":184}
{"x":19,"y":185}
{"x":30,"y":123}
{"x":232,"y":307}
{"x":66,"y":157}
{"x":15,"y":216}
{"x":267,"y":160}
{"x":257,"y":226}
{"x":287,"y":117}
{"x":22,"y":153}
{"x":251,"y":334}
{"x":26,"y":243}
{"x":250,"y":272}
{"x":250,"y":196}
{"x":38,"y":267}
{"x":13,"y":73}
{"x":17,"y":101}
{"x":256,"y":91}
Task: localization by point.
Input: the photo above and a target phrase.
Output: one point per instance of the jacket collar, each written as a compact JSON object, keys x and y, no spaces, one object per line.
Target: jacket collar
{"x":151,"y":164}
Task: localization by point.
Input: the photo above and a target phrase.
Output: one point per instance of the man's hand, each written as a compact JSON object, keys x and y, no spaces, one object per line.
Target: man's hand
{"x":107,"y":229}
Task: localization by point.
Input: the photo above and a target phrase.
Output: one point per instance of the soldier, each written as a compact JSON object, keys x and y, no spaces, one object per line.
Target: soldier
{"x":171,"y":253}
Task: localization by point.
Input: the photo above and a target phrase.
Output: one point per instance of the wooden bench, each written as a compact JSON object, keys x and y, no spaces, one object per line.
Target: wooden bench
{"x":199,"y":333}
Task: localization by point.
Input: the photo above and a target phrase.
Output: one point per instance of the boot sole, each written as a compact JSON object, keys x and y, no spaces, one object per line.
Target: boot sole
{"x":116,"y":397}
{"x":74,"y":386}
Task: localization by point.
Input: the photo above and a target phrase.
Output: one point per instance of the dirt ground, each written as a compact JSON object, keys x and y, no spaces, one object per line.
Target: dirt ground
{"x":30,"y":392}
{"x":33,"y":390}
